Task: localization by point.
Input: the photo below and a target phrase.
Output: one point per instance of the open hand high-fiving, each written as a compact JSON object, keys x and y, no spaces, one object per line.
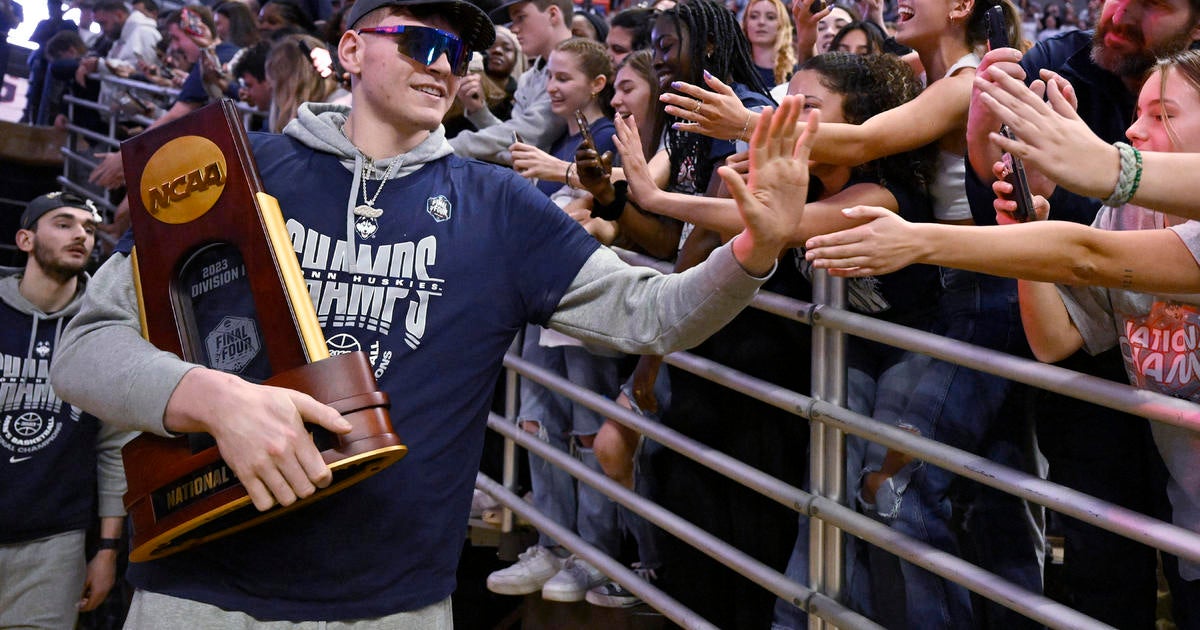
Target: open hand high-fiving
{"x":772,"y":202}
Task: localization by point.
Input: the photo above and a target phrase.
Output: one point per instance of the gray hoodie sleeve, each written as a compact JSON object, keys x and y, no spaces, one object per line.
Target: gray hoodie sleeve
{"x":110,"y":470}
{"x":531,"y":118}
{"x":105,"y":366}
{"x":638,"y":310}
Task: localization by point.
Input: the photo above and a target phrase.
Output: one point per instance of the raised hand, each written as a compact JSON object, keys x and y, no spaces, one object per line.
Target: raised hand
{"x":980,"y":120}
{"x":772,"y":202}
{"x":109,"y":173}
{"x":716,"y":113}
{"x":592,"y":169}
{"x":1005,"y":207}
{"x":633,"y":163}
{"x":1050,"y":136}
{"x":470,"y":93}
{"x":806,"y":26}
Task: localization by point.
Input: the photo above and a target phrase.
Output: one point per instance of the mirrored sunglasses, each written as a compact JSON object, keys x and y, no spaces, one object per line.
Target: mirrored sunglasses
{"x":425,"y":44}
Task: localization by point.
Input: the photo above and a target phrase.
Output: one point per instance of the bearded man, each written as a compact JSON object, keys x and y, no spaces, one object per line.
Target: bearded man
{"x":60,"y":468}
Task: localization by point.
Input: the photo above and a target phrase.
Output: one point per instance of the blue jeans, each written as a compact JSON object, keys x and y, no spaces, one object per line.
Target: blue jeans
{"x":647,"y":535}
{"x":555,"y":493}
{"x":878,"y":381}
{"x":960,"y":407}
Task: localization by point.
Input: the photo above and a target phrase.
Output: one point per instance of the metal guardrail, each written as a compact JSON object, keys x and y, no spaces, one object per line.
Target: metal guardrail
{"x":831,"y":419}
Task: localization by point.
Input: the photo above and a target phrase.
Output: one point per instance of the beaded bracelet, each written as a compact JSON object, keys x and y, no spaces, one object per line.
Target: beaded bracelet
{"x":613,"y":210}
{"x":1129,"y":178}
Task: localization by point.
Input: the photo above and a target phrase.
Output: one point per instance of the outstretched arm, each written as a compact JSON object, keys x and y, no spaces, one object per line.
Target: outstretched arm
{"x":1047,"y":251}
{"x":934,"y":114}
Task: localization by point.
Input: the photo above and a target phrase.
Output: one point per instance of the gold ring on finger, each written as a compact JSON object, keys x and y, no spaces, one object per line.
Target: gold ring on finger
{"x":699,"y":104}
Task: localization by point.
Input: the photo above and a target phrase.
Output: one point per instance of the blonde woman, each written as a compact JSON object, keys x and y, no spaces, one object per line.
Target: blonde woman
{"x":295,"y":78}
{"x":769,"y":30}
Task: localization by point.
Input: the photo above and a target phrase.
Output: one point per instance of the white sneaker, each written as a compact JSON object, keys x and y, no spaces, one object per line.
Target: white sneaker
{"x":573,"y":581}
{"x":482,"y":502}
{"x":534,"y":567}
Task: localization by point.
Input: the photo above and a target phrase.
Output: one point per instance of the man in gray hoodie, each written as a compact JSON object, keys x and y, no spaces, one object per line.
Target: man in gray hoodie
{"x":54,"y":460}
{"x":430,"y":262}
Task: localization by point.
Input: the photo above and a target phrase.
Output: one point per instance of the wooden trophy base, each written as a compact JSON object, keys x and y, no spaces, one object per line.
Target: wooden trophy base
{"x":193,"y":497}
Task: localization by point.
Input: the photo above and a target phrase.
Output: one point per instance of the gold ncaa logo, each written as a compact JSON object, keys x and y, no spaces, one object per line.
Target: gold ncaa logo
{"x":183,"y":179}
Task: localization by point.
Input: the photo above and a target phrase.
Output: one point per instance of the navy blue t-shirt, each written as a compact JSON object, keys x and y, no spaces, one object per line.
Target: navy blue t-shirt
{"x":465,"y":254}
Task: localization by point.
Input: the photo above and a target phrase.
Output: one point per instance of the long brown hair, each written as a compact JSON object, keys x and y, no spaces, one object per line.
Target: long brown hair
{"x":294,"y":80}
{"x":642,"y":62}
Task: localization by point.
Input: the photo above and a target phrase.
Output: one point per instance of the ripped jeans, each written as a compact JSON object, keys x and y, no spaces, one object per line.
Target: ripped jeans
{"x":576,"y":506}
{"x":959,"y":407}
{"x":878,"y":381}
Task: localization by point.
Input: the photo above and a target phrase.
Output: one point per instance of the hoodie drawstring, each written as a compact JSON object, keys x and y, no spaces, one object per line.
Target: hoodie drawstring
{"x":351,"y":203}
{"x":37,"y":317}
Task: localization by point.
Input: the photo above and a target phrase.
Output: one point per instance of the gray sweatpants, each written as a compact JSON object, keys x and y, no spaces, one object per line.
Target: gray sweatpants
{"x":155,"y":611}
{"x":41,"y":582}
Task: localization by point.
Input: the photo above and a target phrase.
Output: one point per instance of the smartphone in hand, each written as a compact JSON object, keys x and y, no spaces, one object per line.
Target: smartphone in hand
{"x":588,"y":142}
{"x":584,"y":129}
{"x":998,"y":38}
{"x":191,"y":23}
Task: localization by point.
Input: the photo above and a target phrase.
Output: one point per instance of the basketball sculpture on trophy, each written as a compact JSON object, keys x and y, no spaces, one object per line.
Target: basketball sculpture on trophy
{"x":220,"y":286}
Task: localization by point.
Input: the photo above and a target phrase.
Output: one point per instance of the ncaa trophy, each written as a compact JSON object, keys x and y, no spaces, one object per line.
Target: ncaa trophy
{"x":218,"y":284}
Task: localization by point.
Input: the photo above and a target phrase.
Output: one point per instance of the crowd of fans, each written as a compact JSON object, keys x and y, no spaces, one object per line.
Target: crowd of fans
{"x":623,"y":118}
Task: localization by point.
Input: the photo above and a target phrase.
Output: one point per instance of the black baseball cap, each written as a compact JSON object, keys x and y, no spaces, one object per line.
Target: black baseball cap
{"x":476,"y":30}
{"x":499,"y":14}
{"x":53,"y":201}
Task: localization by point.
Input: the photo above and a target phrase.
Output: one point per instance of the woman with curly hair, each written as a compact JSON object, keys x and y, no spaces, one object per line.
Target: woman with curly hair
{"x":769,"y":30}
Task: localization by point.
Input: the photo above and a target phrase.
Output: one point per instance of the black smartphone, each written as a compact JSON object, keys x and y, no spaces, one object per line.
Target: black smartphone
{"x":589,"y":141}
{"x":997,"y":32}
{"x":997,"y":28}
{"x":584,"y":130}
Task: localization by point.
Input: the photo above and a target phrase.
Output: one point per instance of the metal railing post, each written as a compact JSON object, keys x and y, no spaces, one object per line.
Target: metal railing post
{"x":827,"y":445}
